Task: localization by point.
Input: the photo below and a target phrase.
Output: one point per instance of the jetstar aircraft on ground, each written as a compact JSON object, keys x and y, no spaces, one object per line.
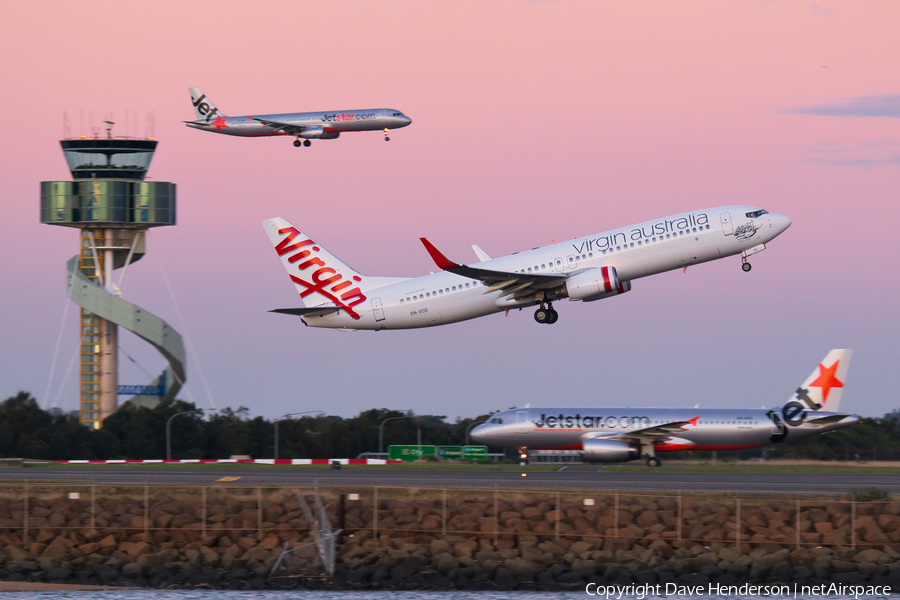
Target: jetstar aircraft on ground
{"x":610,"y":435}
{"x":304,"y":126}
{"x":589,"y":268}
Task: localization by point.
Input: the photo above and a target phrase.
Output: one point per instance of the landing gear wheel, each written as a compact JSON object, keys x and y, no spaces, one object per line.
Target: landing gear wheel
{"x":746,"y":267}
{"x":542,"y":315}
{"x":307,"y":143}
{"x":387,"y":139}
{"x":297,"y":143}
{"x":554,"y":316}
{"x":654,"y":462}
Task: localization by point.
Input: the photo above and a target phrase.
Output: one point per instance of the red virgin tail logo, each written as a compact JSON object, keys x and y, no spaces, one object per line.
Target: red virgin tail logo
{"x":324,"y":276}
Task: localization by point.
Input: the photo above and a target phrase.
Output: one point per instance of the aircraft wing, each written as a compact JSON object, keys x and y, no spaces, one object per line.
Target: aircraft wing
{"x":652,"y":434}
{"x":313,"y":311}
{"x":289,"y":128}
{"x":516,"y":284}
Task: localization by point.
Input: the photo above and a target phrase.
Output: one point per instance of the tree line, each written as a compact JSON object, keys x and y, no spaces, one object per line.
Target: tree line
{"x":28,"y":431}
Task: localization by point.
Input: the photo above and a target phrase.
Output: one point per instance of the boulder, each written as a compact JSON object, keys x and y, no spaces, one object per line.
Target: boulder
{"x":521,"y":565}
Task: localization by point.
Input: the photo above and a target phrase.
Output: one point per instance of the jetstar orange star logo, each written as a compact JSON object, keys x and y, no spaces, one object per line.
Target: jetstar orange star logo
{"x":219,"y":123}
{"x":827,"y":380}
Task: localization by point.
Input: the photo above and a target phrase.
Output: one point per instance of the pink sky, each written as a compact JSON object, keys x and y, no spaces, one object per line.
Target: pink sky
{"x":532,"y":121}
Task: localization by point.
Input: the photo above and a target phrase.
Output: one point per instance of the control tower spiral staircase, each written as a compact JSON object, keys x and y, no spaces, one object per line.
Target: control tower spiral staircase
{"x":112,"y":205}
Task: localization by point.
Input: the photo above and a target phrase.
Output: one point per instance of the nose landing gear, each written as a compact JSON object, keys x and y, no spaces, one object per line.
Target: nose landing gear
{"x":745,"y":265}
{"x":546,"y":314}
{"x":386,"y":138}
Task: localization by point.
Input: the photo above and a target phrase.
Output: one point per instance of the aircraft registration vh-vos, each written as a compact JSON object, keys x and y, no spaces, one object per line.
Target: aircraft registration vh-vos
{"x":589,"y":268}
{"x":326,"y":125}
{"x":613,"y":435}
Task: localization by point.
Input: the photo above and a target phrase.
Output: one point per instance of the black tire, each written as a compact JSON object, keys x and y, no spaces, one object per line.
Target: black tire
{"x":307,"y":143}
{"x":746,"y":267}
{"x":554,"y":317}
{"x":297,"y":143}
{"x":387,"y":139}
{"x":654,"y":462}
{"x":541,"y":315}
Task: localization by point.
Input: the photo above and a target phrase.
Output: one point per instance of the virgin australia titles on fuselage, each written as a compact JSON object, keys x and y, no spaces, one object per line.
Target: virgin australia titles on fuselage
{"x":589,"y":268}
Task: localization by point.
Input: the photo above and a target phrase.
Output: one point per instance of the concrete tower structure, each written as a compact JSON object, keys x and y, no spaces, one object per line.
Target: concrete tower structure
{"x":112,"y":206}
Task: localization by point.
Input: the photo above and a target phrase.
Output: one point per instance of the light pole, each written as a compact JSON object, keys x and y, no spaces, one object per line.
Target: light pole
{"x":469,"y":428}
{"x":168,"y":430}
{"x":381,"y":430}
{"x":306,"y":412}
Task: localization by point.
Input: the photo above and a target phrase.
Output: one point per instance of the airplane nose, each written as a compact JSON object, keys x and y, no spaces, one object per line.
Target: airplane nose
{"x":781,"y":223}
{"x":479,"y":434}
{"x":405,"y":120}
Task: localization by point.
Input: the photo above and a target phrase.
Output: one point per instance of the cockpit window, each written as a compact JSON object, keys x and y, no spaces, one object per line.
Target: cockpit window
{"x":757,"y":213}
{"x":398,"y":114}
{"x":497,"y":421}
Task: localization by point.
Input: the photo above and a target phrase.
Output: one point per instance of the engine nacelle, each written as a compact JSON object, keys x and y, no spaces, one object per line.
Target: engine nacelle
{"x":608,"y":451}
{"x":595,"y":284}
{"x":319,"y":133}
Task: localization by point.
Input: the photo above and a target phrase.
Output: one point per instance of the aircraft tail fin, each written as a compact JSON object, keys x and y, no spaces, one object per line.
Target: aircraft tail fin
{"x":320,"y":277}
{"x":823,"y":388}
{"x":204,"y":109}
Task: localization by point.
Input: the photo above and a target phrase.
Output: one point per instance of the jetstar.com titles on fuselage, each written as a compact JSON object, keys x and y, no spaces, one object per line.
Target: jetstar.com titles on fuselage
{"x":645,"y":232}
{"x":577,"y":421}
{"x":349,"y":117}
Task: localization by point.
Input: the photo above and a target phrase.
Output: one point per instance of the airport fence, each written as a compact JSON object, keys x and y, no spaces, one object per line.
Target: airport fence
{"x":83,"y":516}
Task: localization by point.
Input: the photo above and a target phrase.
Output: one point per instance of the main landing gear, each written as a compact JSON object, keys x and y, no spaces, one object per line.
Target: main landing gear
{"x":745,"y":265}
{"x":652,"y":461}
{"x":386,"y":138}
{"x":298,"y":143}
{"x":546,"y":314}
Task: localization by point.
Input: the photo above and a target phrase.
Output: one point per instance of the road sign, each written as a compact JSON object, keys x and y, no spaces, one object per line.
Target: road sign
{"x":410,"y":453}
{"x":475,"y":452}
{"x":449,"y":452}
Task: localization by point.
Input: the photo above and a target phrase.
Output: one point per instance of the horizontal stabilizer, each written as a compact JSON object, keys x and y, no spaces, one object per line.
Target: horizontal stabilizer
{"x":827,"y":420}
{"x":312,"y":311}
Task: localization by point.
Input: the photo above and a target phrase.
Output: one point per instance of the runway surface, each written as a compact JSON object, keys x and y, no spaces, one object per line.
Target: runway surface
{"x":581,"y":479}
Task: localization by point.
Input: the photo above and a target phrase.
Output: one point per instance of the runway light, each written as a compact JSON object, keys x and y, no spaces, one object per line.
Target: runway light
{"x":524,"y":474}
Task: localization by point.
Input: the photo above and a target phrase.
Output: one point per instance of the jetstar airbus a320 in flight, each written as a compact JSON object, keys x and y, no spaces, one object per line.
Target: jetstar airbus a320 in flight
{"x":589,"y":268}
{"x":611,"y":435}
{"x":304,"y":126}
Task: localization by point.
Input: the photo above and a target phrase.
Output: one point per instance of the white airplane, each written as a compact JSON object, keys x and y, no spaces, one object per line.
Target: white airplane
{"x":589,"y":268}
{"x":610,"y":435}
{"x":324,"y":125}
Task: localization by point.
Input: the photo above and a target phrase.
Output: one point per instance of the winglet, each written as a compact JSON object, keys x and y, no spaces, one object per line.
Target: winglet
{"x":694,"y":420}
{"x":439,"y":259}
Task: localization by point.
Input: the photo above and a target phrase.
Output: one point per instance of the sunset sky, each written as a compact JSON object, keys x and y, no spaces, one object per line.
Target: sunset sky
{"x":533,"y":121}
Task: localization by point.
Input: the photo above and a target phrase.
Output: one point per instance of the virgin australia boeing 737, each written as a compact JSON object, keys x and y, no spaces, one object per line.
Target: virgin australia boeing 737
{"x":588,"y":268}
{"x":304,"y":126}
{"x":610,"y":435}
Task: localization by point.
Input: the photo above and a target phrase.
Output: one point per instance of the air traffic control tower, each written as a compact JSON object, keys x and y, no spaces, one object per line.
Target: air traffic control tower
{"x":113,"y":207}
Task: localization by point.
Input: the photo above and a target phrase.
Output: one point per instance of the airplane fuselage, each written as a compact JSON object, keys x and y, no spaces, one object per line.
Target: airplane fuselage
{"x":703,"y":429}
{"x":635,"y":251}
{"x":320,"y":125}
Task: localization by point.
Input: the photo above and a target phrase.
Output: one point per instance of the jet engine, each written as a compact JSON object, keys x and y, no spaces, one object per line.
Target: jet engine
{"x":318,"y":133}
{"x":595,"y":284}
{"x":608,"y":451}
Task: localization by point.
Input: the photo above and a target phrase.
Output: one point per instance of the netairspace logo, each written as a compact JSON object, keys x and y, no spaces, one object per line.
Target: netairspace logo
{"x":640,"y":592}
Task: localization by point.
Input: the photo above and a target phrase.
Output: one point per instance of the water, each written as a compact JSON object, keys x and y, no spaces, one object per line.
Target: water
{"x":126,"y":594}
